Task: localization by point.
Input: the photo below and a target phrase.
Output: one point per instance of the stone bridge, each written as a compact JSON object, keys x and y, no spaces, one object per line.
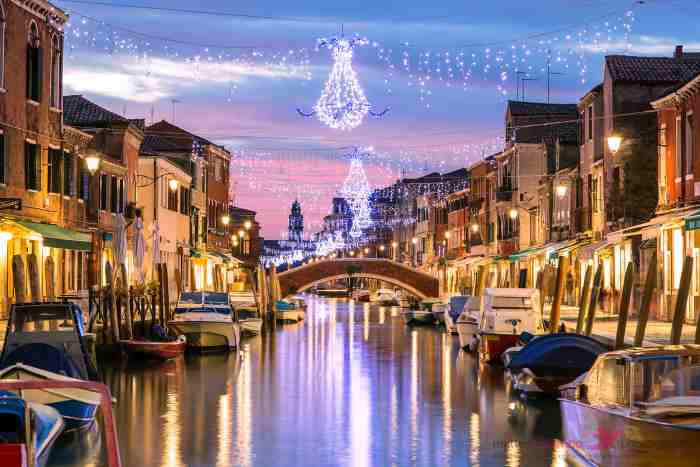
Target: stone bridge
{"x":304,"y":277}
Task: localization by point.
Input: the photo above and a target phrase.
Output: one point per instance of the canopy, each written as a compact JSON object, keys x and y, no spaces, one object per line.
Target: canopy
{"x":58,"y":237}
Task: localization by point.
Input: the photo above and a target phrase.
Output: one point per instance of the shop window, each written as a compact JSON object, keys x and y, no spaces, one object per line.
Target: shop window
{"x":34,"y":64}
{"x":55,"y":160}
{"x":184,"y":200}
{"x":32,"y":167}
{"x":172,"y":200}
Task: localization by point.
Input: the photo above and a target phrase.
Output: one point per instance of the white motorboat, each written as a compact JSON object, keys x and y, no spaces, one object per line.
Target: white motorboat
{"x":385,"y":297}
{"x":249,"y":319}
{"x":468,"y":324}
{"x":288,"y":312}
{"x":207,"y":320}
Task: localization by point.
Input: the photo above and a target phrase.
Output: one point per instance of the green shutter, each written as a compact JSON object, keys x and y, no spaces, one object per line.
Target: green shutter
{"x":39,"y":74}
{"x":30,"y":71}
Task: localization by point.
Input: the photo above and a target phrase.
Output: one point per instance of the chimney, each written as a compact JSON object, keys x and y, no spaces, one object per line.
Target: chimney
{"x":679,"y":52}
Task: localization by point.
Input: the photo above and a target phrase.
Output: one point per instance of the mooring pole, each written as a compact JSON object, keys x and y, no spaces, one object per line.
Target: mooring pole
{"x":585,"y":299}
{"x":624,"y":307}
{"x":555,"y":312}
{"x":681,"y":301}
{"x":595,"y":294}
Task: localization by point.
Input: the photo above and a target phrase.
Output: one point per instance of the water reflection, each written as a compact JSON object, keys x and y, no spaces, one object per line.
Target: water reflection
{"x":351,"y":385}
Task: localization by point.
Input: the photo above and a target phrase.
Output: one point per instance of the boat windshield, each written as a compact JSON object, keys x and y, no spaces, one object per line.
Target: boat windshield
{"x":666,"y":377}
{"x":191,"y":298}
{"x":203,"y":309}
{"x":39,"y":318}
{"x":511,"y":302}
{"x":216,"y":298}
{"x":246,"y":313}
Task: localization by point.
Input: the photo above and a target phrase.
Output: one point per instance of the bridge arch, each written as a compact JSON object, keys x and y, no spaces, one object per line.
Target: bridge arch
{"x":304,"y":277}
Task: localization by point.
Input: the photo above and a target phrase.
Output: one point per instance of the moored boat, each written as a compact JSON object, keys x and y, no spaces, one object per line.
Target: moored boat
{"x":417,"y":317}
{"x":287,"y":312}
{"x":453,"y":311}
{"x":333,"y":293}
{"x":438,"y":310}
{"x":361,"y":295}
{"x":384,"y":297}
{"x":46,"y":341}
{"x":547,"y":362}
{"x":26,"y":429}
{"x":468,"y":324}
{"x":506,"y":314}
{"x":156,"y":349}
{"x":636,"y":407}
{"x":207,"y":320}
{"x":249,"y":319}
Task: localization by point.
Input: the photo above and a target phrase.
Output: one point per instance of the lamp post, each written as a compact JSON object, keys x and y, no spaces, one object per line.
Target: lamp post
{"x":394,"y":253}
{"x":614,"y":143}
{"x":414,"y":241}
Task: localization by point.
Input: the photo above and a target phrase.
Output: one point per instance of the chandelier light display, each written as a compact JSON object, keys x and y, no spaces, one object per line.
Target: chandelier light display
{"x":356,"y":192}
{"x":342,"y":105}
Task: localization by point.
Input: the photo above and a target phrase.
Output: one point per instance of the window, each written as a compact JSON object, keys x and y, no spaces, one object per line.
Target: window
{"x":121,"y":196}
{"x":55,"y":159}
{"x":83,"y":182}
{"x":662,"y":165}
{"x":590,"y":122}
{"x":689,"y":148}
{"x":32,"y":166}
{"x":2,"y":45}
{"x":679,"y":145}
{"x":34,"y":64}
{"x":68,"y":175}
{"x":184,"y":200}
{"x":594,"y":194}
{"x":114,"y":194}
{"x":56,"y":61}
{"x":104,"y":182}
{"x":172,"y":200}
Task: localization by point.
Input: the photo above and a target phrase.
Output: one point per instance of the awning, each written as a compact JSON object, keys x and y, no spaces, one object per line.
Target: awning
{"x":588,"y":251}
{"x":58,"y":237}
{"x":692,"y":222}
{"x":526,"y":252}
{"x":194,"y":253}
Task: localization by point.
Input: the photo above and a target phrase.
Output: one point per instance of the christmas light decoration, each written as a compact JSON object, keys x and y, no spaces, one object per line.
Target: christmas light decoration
{"x":342,"y":105}
{"x":356,"y":192}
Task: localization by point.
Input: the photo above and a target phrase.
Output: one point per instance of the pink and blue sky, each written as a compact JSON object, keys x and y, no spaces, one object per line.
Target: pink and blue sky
{"x":249,"y":106}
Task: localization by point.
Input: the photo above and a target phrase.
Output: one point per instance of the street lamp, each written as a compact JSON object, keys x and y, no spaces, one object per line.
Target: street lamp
{"x":241,"y":233}
{"x":92,"y":162}
{"x":414,"y":240}
{"x":394,"y":244}
{"x":475,"y":227}
{"x":381,"y":247}
{"x":614,"y":143}
{"x":247,"y":225}
{"x":225,"y":219}
{"x":513,"y":213}
{"x":561,"y":190}
{"x":352,"y":253}
{"x":447,"y":235}
{"x":173,"y":184}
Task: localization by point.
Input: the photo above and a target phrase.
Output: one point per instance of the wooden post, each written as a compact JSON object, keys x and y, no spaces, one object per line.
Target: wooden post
{"x":482,"y":281}
{"x":160,"y":299}
{"x":49,"y":278}
{"x":126,"y":302}
{"x":584,"y":302}
{"x":624,"y":307}
{"x":555,"y":312}
{"x":33,"y":268}
{"x":178,"y":282}
{"x":649,"y":286}
{"x":166,"y":294}
{"x":595,"y":294}
{"x":681,"y":301}
{"x":18,"y":279}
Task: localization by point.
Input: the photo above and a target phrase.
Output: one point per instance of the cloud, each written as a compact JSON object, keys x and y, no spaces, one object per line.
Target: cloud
{"x":146,"y":80}
{"x":642,"y":45}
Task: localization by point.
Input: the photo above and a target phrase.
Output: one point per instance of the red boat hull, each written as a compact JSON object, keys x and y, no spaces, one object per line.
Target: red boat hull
{"x":162,"y":350}
{"x":492,"y":346}
{"x":13,"y":455}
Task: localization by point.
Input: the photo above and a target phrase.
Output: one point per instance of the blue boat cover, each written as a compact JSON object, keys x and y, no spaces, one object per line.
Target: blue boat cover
{"x":457,"y":305}
{"x":282,"y":305}
{"x":561,"y":354}
{"x":44,"y":356}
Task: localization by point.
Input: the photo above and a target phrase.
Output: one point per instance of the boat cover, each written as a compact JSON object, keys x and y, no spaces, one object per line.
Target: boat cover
{"x":43,"y":356}
{"x":457,"y":305}
{"x":282,"y":305}
{"x":558,"y":354}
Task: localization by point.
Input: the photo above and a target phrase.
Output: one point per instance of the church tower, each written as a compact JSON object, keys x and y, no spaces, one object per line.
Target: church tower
{"x":296,"y":223}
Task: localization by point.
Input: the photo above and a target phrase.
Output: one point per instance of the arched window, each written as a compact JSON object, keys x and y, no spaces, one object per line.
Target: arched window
{"x":56,"y":64}
{"x":34,"y":64}
{"x":2,"y":45}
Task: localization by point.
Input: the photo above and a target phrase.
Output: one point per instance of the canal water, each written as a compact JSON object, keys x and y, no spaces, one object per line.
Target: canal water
{"x":351,"y":385}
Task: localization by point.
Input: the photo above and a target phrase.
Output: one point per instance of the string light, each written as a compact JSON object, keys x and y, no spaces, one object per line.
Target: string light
{"x":342,"y":105}
{"x":356,"y":192}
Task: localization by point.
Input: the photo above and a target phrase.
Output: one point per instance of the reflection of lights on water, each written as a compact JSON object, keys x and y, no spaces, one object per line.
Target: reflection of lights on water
{"x":513,"y":454}
{"x":171,"y":432}
{"x":394,"y":415}
{"x":360,"y":409}
{"x":366,"y":321}
{"x":223,"y":453}
{"x":511,"y":406}
{"x":446,"y":401}
{"x":559,"y":454}
{"x":474,"y":440}
{"x":382,"y":315}
{"x":414,"y":393}
{"x":244,"y":417}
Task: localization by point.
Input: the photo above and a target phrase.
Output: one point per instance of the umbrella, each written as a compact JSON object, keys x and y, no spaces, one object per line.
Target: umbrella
{"x":119,"y":239}
{"x":155,"y":249}
{"x":139,"y":248}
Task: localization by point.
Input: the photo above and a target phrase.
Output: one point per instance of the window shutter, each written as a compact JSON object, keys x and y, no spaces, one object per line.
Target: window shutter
{"x":30,"y":72}
{"x":27,"y":166}
{"x":37,"y":166}
{"x":2,"y":156}
{"x":39,"y":73}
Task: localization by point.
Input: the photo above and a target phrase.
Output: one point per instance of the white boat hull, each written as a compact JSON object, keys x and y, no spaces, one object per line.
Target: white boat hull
{"x":251,"y":325}
{"x":205,"y":335}
{"x":289,"y":316}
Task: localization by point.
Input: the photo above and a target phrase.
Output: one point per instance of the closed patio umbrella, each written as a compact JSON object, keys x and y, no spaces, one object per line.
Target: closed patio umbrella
{"x":139,"y":248}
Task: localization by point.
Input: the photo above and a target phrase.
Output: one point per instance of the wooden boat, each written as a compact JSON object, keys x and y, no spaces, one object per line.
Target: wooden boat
{"x":23,"y":424}
{"x":361,"y":295}
{"x":249,"y":319}
{"x":333,"y":293}
{"x":46,"y":341}
{"x":507,"y":313}
{"x":547,"y":362}
{"x":163,"y":350}
{"x":636,"y":407}
{"x":453,"y":311}
{"x":207,"y":320}
{"x":468,"y":324}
